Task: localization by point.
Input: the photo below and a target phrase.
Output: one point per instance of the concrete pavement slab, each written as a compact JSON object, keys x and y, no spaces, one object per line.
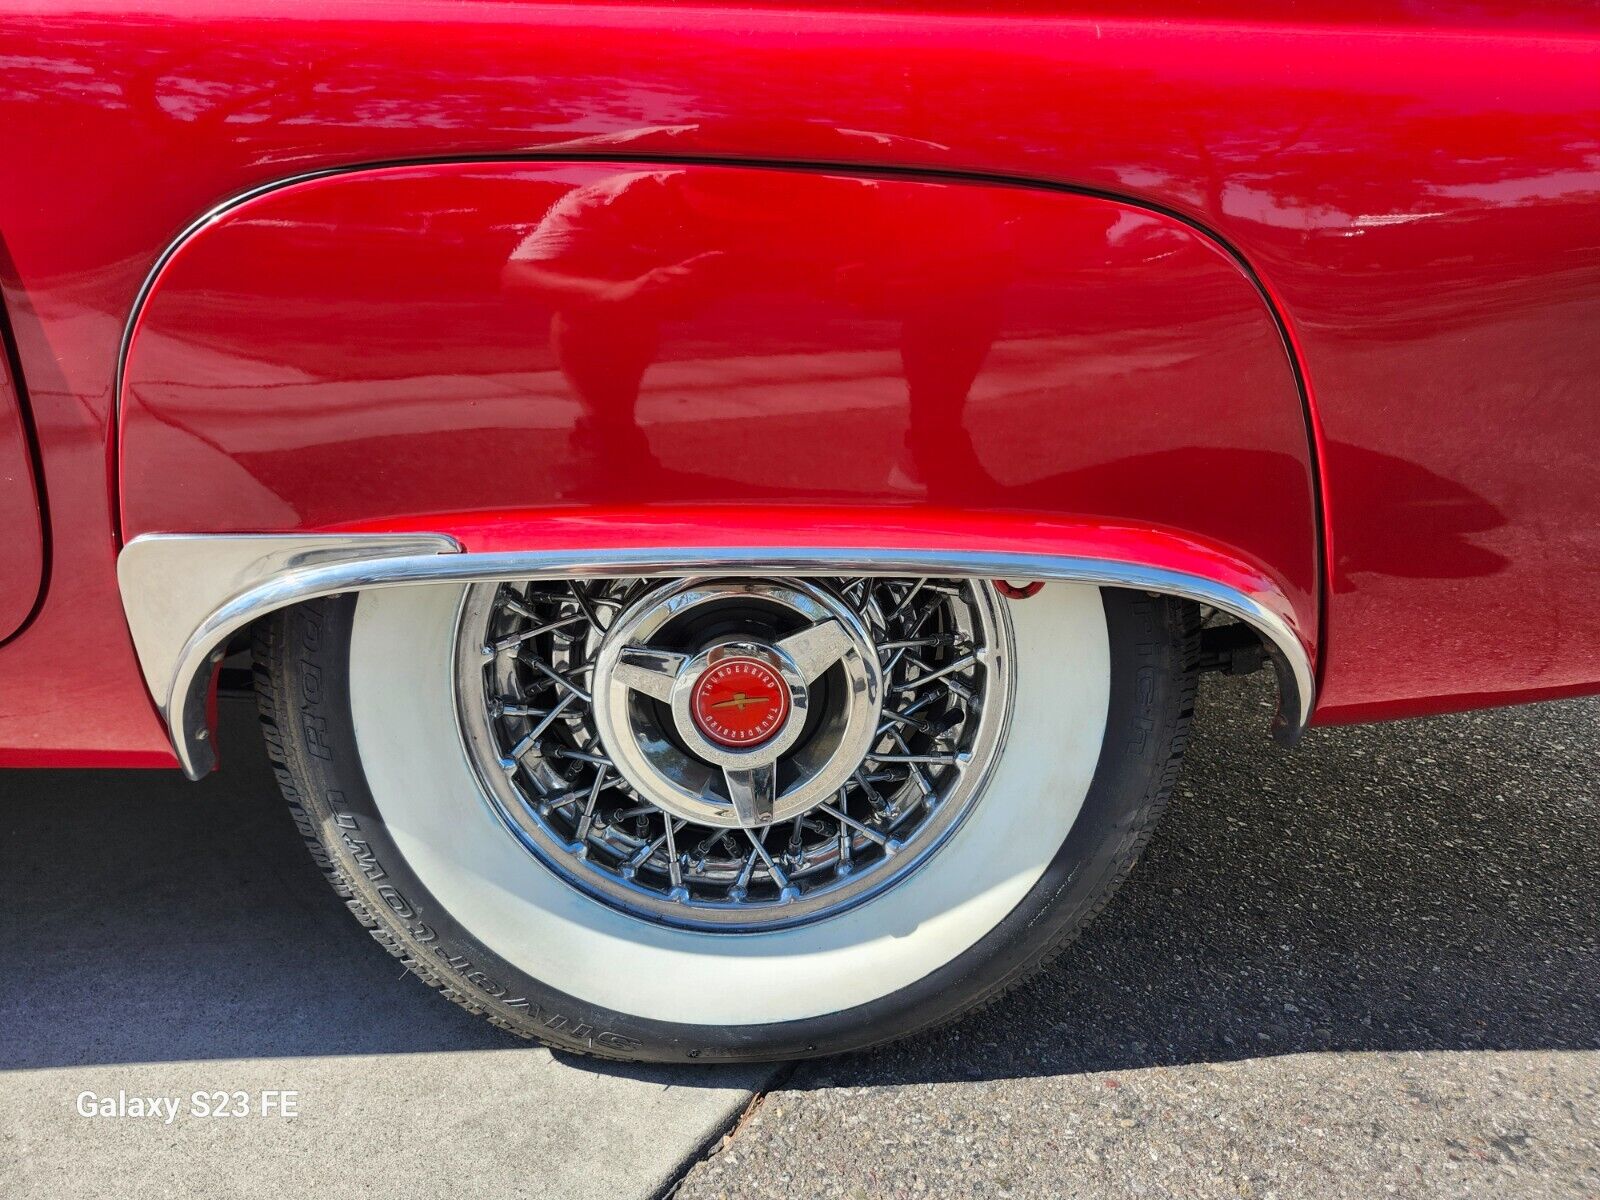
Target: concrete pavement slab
{"x":159,"y":938}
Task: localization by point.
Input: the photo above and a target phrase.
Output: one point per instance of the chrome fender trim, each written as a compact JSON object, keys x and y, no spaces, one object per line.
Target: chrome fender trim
{"x":185,"y":595}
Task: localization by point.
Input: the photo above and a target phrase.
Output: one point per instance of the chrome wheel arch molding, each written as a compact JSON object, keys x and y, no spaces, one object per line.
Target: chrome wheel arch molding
{"x":186,"y":595}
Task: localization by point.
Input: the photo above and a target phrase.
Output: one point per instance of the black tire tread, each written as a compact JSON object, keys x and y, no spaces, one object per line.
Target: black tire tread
{"x":266,"y":646}
{"x":1183,"y":619}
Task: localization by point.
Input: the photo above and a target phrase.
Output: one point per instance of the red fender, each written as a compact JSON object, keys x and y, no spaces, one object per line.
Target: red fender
{"x":412,"y":341}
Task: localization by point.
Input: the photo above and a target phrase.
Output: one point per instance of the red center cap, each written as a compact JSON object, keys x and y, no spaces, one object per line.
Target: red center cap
{"x":739,"y":702}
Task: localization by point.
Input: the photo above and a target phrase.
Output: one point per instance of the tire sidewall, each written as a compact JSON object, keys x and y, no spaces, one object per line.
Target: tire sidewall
{"x":1149,"y":699}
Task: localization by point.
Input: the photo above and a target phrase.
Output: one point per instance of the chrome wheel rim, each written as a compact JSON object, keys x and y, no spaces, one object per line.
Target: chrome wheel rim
{"x":733,"y":754}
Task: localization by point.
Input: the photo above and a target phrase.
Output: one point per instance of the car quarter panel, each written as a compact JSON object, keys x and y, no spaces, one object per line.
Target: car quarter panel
{"x":414,"y":340}
{"x":1416,"y":187}
{"x":22,"y":572}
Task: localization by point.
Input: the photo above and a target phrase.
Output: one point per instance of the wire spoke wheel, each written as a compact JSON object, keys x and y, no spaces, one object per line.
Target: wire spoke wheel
{"x":724,"y":817}
{"x":733,"y":754}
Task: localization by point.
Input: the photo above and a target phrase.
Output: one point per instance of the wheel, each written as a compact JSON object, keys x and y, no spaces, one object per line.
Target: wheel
{"x":726,"y":818}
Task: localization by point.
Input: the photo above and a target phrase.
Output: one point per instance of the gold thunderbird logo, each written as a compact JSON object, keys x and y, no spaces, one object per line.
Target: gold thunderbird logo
{"x":741,"y":701}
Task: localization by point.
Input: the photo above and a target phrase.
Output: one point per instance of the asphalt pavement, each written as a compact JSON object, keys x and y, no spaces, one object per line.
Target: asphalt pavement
{"x":1370,"y":967}
{"x":1367,"y":968}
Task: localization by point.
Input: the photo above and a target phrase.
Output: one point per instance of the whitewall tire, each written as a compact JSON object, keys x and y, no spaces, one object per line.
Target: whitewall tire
{"x":1024,"y":828}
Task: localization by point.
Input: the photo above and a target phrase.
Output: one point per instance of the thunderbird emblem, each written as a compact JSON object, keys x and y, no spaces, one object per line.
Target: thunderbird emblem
{"x":740,"y":700}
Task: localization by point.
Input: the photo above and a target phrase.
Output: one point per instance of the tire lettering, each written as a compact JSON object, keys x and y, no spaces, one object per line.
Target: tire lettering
{"x":484,"y":984}
{"x":365,"y":860}
{"x":1146,"y":613}
{"x":310,"y":683}
{"x":1144,"y":687}
{"x":359,"y":853}
{"x":395,"y":901}
{"x":559,"y":1023}
{"x":316,"y":735}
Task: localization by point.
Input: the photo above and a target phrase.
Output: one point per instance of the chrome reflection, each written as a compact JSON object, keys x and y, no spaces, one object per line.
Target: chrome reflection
{"x":898,"y":724}
{"x":185,"y":595}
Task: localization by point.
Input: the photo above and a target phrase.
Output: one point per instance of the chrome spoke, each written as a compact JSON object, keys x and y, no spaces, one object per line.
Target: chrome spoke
{"x":846,"y":840}
{"x":817,"y":647}
{"x":674,"y":866}
{"x":586,"y":822}
{"x":872,"y":835}
{"x":741,"y":888}
{"x":531,"y":738}
{"x":652,"y":672}
{"x":909,"y":596}
{"x":933,"y":676}
{"x":923,"y":785}
{"x":527,"y":635}
{"x":561,"y":681}
{"x":786,"y":890}
{"x":752,"y":791}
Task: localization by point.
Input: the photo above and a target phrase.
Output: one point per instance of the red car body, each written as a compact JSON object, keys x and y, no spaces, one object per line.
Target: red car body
{"x":1302,"y":298}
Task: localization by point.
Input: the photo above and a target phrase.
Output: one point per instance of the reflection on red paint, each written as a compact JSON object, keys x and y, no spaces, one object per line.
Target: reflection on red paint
{"x":1417,"y":184}
{"x":708,"y":335}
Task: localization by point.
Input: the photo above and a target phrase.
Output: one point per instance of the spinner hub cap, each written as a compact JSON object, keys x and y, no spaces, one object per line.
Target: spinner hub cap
{"x":733,"y":754}
{"x":804,"y":665}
